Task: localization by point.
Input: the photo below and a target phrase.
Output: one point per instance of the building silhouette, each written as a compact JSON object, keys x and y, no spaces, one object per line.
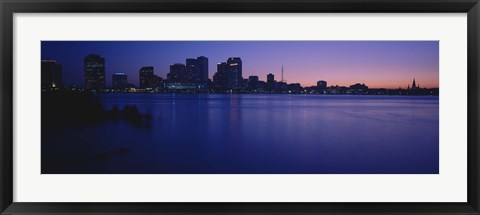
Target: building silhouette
{"x":201,"y":70}
{"x":414,"y":85}
{"x":119,"y":81}
{"x":271,"y":83}
{"x":294,"y":87}
{"x":358,"y":88}
{"x":147,"y":77}
{"x":196,"y":72}
{"x":220,"y":77}
{"x":51,"y":74}
{"x":270,"y":78}
{"x":321,"y":86}
{"x":94,"y":72}
{"x":253,"y":83}
{"x":157,"y":82}
{"x":234,"y":73}
{"x":178,"y":73}
{"x":190,"y":68}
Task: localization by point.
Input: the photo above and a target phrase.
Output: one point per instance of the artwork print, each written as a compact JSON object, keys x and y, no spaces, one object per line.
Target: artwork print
{"x":239,"y":107}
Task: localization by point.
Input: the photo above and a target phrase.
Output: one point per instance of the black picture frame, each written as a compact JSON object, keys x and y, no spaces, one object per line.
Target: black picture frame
{"x":9,"y":7}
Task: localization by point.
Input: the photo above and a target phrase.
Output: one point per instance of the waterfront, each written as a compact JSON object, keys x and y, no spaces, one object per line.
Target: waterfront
{"x":254,"y":134}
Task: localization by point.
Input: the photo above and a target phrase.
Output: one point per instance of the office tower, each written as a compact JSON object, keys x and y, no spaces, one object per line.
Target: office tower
{"x":271,"y":83}
{"x":119,"y":81}
{"x":51,"y":74}
{"x":252,"y":82}
{"x":177,"y":73}
{"x":220,"y":77}
{"x":191,"y":69}
{"x":94,"y":72}
{"x":234,"y":73}
{"x":147,"y":78}
{"x":322,"y":85}
{"x":270,"y":78}
{"x":201,"y":72}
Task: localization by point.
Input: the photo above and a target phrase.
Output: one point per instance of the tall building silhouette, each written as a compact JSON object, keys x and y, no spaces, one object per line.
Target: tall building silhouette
{"x":191,"y":67}
{"x":51,"y":74}
{"x":234,"y":73}
{"x":271,"y":83}
{"x":220,"y":77}
{"x":177,"y":73}
{"x":94,"y":72}
{"x":146,"y":77}
{"x":270,"y":78}
{"x":197,"y":70}
{"x":201,"y":72}
{"x":119,"y":81}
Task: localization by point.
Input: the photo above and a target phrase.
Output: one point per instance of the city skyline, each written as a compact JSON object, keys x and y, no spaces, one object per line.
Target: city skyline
{"x":378,"y":64}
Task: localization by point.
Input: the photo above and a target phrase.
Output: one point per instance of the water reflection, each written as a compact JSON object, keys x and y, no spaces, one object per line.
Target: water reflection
{"x":255,"y":134}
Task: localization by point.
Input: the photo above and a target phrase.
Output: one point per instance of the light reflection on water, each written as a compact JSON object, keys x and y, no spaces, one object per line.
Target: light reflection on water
{"x":259,"y":134}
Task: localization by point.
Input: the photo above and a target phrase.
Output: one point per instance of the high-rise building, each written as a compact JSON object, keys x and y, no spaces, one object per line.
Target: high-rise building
{"x":270,"y":78}
{"x":271,"y":83}
{"x":119,"y":81}
{"x":252,"y":82}
{"x":234,"y":73}
{"x":220,"y":77}
{"x":51,"y":73}
{"x":147,"y":78}
{"x":94,"y":72}
{"x":177,"y":73}
{"x":322,"y":85}
{"x":191,"y":68}
{"x":201,"y":72}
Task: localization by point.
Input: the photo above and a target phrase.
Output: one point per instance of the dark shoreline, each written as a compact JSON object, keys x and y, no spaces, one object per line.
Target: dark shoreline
{"x":435,"y":92}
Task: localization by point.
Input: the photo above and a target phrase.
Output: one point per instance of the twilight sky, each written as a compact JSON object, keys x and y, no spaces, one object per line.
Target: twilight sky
{"x":378,"y":64}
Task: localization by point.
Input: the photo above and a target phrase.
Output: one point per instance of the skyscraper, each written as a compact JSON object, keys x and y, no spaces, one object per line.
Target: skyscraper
{"x":220,"y":77}
{"x":147,"y":78}
{"x":234,"y":73}
{"x":94,"y":72}
{"x":201,"y":73}
{"x":270,"y":78}
{"x":191,"y":68}
{"x":177,"y":73}
{"x":271,"y":83}
{"x":119,"y":81}
{"x":51,"y":73}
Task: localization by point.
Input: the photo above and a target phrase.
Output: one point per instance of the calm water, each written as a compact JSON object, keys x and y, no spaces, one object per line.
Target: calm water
{"x":256,"y":134}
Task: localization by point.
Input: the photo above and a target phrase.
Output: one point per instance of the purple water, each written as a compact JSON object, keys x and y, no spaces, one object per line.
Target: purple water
{"x":255,"y":134}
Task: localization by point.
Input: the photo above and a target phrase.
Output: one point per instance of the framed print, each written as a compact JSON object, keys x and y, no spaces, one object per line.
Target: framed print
{"x":239,"y":107}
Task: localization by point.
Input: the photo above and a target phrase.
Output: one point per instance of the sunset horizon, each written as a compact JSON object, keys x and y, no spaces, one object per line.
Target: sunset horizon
{"x":377,"y":64}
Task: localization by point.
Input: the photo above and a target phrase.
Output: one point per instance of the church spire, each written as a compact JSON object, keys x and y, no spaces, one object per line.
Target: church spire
{"x":414,"y":85}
